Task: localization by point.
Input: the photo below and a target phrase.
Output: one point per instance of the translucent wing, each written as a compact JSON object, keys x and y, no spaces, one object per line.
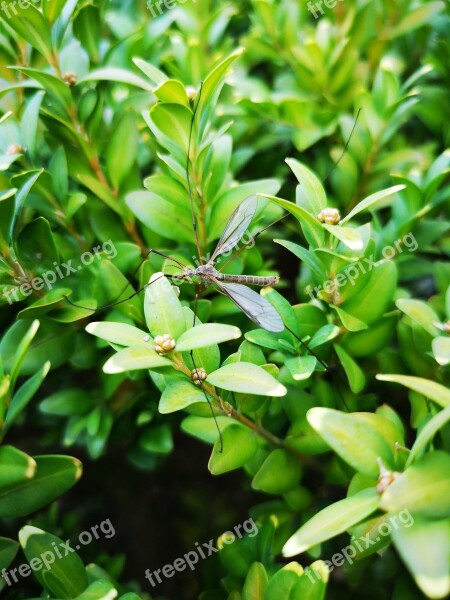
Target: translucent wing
{"x":256,"y":307}
{"x":237,"y":225}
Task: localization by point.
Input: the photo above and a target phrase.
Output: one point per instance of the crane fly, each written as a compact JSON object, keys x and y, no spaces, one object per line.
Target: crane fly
{"x":255,"y":307}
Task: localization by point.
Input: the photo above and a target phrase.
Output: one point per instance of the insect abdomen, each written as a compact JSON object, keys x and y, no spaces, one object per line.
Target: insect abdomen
{"x":249,"y":279}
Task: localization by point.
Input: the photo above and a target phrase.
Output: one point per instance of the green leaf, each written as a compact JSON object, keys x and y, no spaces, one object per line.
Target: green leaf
{"x":246,"y":378}
{"x":206,"y":335}
{"x":163,"y":311}
{"x":355,"y":374}
{"x":310,"y":193}
{"x":424,"y":488}
{"x":356,"y":442}
{"x":281,"y":584}
{"x":24,"y":395}
{"x":331,"y":521}
{"x":30,"y":24}
{"x":239,"y":447}
{"x":420,"y":312}
{"x":58,"y":91}
{"x":349,"y":237}
{"x":54,"y":476}
{"x":425,"y":549}
{"x":8,"y":551}
{"x":22,"y":348}
{"x":67,"y":402}
{"x":172,"y":91}
{"x":119,"y":333}
{"x":133,"y":359}
{"x":312,"y":583}
{"x":430,"y":389}
{"x":375,"y":201}
{"x":118,"y":75}
{"x":417,"y":17}
{"x":161,"y":213}
{"x":63,"y":576}
{"x":154,"y":74}
{"x":104,"y":590}
{"x":52,"y":9}
{"x":441,"y":350}
{"x":157,"y":440}
{"x":301,"y":367}
{"x":278,"y":474}
{"x":255,"y":583}
{"x":179,"y":395}
{"x":15,"y":466}
{"x":205,"y":429}
{"x":306,"y":256}
{"x":118,"y":162}
{"x":312,"y":228}
{"x":427,"y":433}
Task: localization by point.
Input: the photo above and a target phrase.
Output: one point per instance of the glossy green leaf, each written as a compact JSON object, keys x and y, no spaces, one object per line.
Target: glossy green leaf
{"x":204,"y":428}
{"x":246,"y":378}
{"x":15,"y":466}
{"x":239,"y":446}
{"x":278,"y":474}
{"x":119,"y":75}
{"x":281,"y":584}
{"x":348,"y":236}
{"x":424,"y":488}
{"x":356,"y":442}
{"x":355,"y":374}
{"x":312,"y":228}
{"x":417,"y":16}
{"x":441,"y":350}
{"x":332,"y":521}
{"x":120,"y":333}
{"x":206,"y":335}
{"x":63,"y":577}
{"x":67,"y":402}
{"x":54,"y":475}
{"x":24,"y":394}
{"x":163,"y":311}
{"x":430,"y":568}
{"x":311,"y":585}
{"x":8,"y":551}
{"x":374,"y":202}
{"x":420,"y":313}
{"x":178,"y":395}
{"x":104,"y":590}
{"x":30,"y":24}
{"x":310,"y":193}
{"x":430,"y":389}
{"x":301,"y":367}
{"x":172,"y":90}
{"x":132,"y":359}
{"x":255,"y":583}
{"x":427,"y":433}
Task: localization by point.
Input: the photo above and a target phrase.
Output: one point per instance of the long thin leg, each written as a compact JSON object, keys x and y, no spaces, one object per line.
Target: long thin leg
{"x":191,"y":354}
{"x":188,"y":179}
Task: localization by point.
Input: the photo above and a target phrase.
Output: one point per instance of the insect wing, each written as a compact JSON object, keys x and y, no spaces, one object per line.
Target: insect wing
{"x":256,"y":307}
{"x":237,"y":225}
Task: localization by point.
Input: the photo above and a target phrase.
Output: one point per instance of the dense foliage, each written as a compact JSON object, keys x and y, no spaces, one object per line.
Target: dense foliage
{"x":119,"y":121}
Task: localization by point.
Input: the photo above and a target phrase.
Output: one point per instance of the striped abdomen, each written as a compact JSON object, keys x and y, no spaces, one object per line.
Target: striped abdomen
{"x":247,"y":279}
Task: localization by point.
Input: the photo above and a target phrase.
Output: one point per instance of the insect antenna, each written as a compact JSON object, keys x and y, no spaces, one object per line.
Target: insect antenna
{"x":344,"y":150}
{"x":116,"y":301}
